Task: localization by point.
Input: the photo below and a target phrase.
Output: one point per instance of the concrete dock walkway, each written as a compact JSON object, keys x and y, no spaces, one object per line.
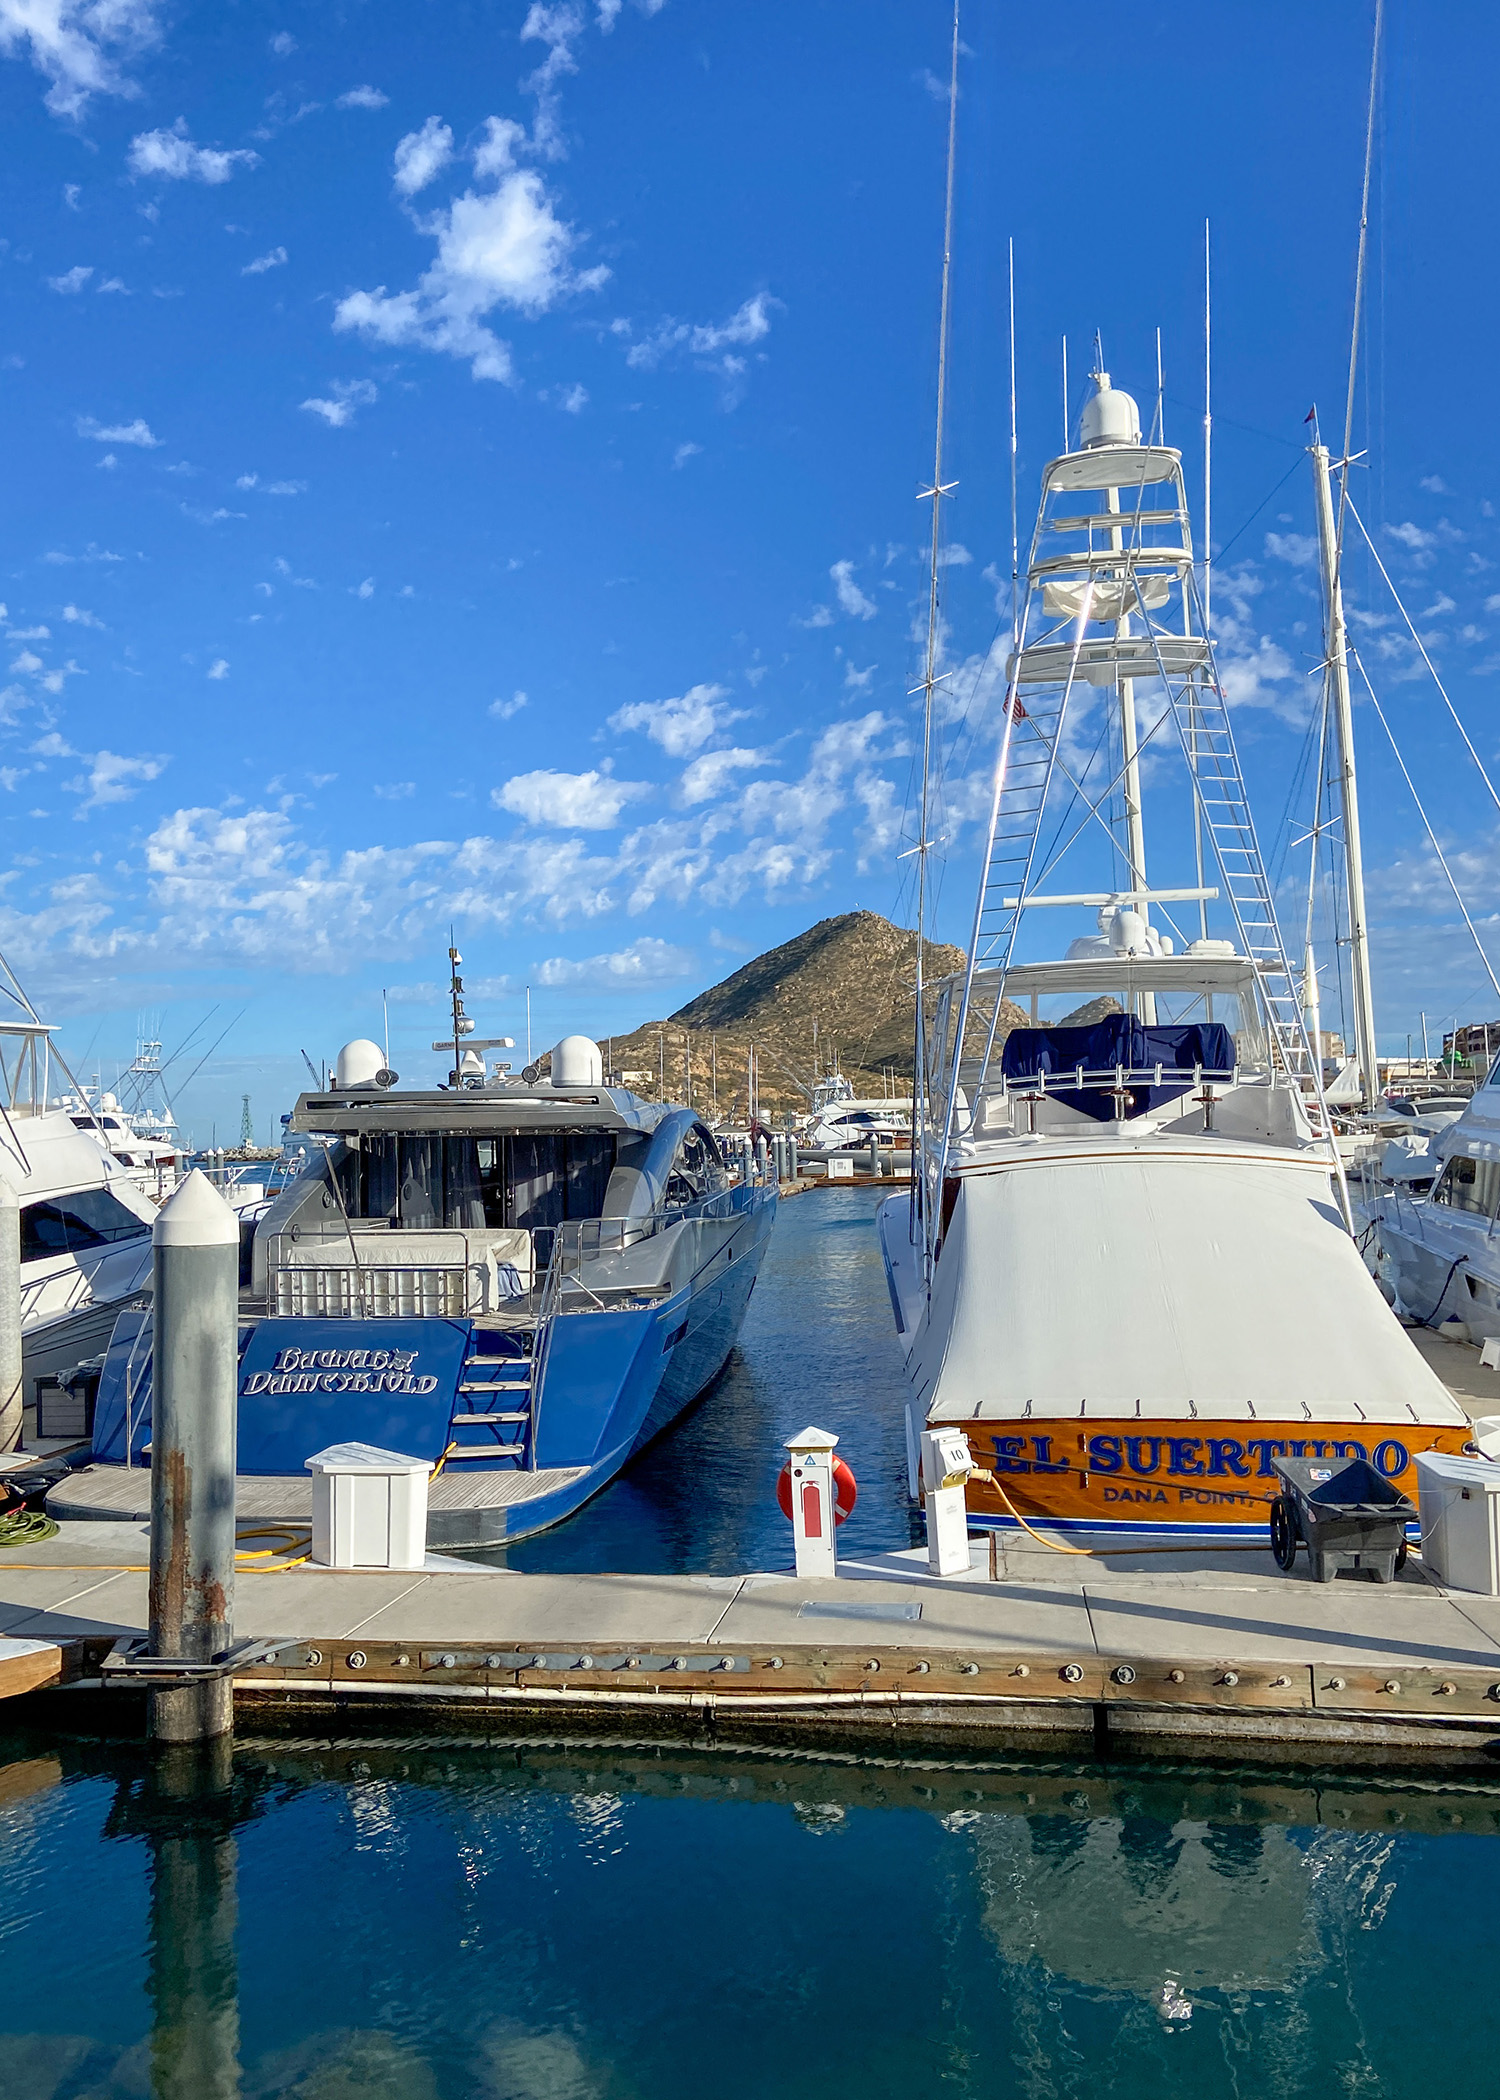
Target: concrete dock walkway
{"x":1186,"y":1654}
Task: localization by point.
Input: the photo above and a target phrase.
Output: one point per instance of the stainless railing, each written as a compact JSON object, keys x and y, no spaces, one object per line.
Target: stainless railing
{"x":1121,"y":1081}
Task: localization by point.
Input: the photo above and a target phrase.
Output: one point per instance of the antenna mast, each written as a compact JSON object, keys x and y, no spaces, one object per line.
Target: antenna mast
{"x":1336,"y":651}
{"x":930,"y":673}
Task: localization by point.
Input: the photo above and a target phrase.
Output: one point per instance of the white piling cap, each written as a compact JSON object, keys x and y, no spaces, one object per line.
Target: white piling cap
{"x":811,"y":1440}
{"x":195,"y":1215}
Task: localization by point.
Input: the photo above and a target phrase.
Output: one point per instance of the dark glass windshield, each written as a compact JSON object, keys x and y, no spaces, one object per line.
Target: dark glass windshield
{"x":74,"y":1224}
{"x":416,"y":1179}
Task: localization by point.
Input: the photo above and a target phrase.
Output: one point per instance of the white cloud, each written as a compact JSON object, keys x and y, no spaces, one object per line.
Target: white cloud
{"x":820,"y":616}
{"x":684,"y":453}
{"x":28,"y":634}
{"x":71,"y":195}
{"x":502,"y":710}
{"x":501,"y":247}
{"x":957,"y":556}
{"x":1435,"y":485}
{"x":421,"y":155}
{"x":365,"y":589}
{"x":749,"y":323}
{"x":856,"y":681}
{"x":114,"y":284}
{"x":136,"y":433}
{"x":271,"y":260}
{"x":72,"y":281}
{"x":79,"y":45}
{"x":589,"y":801}
{"x":110,"y":461}
{"x":1412,"y":536}
{"x":573,"y":399}
{"x":707,"y":777}
{"x":111,"y":778}
{"x":645,"y":961}
{"x":283,"y":44}
{"x":1258,"y":676}
{"x":1441,"y":604}
{"x":1299,"y":549}
{"x":80,"y":618}
{"x":397,"y":791}
{"x":219,"y":668}
{"x":682,"y":725}
{"x":337,"y":408}
{"x":362,"y":98}
{"x":173,"y":156}
{"x":503,"y":140}
{"x":852,"y":599}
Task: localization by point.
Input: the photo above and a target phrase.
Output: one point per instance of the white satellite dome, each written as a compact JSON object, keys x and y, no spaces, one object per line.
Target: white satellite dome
{"x":362,"y":1063}
{"x":1110,"y":418}
{"x":576,"y":1061}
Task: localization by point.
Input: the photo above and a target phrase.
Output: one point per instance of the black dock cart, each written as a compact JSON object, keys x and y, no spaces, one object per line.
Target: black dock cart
{"x":1344,"y":1512}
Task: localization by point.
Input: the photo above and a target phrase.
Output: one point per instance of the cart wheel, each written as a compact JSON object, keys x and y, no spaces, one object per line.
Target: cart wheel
{"x":1283,"y":1534}
{"x":1400,"y":1561}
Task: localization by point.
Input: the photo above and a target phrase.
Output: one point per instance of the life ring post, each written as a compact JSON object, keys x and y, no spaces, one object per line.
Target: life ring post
{"x":817,"y":1491}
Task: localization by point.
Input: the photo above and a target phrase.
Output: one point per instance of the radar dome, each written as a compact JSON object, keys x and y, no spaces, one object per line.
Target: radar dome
{"x":576,"y":1062}
{"x":362,"y":1063}
{"x":1111,"y":417}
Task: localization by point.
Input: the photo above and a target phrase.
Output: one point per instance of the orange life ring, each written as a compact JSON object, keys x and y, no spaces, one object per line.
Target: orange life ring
{"x":845,"y":1490}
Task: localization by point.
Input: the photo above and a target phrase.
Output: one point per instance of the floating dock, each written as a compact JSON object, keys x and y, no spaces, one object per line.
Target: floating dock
{"x":1198,"y":1655}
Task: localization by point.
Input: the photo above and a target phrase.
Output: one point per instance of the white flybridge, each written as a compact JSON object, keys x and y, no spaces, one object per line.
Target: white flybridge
{"x":1124,"y":1267}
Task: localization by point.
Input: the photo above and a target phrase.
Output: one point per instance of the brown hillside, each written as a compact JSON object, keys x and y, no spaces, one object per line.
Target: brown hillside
{"x":843,"y":991}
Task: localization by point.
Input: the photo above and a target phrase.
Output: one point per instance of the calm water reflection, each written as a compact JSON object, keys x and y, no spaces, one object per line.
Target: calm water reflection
{"x":396,"y":1920}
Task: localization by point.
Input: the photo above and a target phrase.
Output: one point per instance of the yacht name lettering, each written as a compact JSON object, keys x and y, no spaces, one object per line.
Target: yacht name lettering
{"x":1147,"y":1457}
{"x":341,"y":1371}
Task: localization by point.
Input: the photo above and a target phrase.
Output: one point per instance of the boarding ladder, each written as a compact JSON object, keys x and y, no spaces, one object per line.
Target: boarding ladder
{"x":492,"y":1418}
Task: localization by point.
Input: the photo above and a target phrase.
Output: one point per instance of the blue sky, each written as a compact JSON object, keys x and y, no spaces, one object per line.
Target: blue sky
{"x":462,"y":461}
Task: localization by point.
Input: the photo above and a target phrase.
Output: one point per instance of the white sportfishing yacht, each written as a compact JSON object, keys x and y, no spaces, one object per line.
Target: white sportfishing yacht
{"x":840,"y":1119}
{"x":85,"y":1225}
{"x":1433,"y":1216}
{"x":1125,"y":1268}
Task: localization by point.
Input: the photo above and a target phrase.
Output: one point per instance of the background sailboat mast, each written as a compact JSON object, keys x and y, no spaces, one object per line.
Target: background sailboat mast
{"x":1336,"y":654}
{"x":930,"y":671}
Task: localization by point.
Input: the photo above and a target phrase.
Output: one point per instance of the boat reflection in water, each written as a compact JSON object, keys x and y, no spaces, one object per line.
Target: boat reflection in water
{"x":597,"y":1920}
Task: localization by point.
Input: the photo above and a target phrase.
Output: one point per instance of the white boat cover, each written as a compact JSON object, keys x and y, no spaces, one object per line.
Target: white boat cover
{"x":1151,"y":1285}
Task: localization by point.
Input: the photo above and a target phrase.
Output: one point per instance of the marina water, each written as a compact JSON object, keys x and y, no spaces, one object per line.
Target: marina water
{"x":420,"y":1918}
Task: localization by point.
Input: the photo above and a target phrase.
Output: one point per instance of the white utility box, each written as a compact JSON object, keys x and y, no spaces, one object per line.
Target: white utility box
{"x":840,"y":1167}
{"x":1460,"y":1504}
{"x":946,"y":1466}
{"x":369,"y":1508}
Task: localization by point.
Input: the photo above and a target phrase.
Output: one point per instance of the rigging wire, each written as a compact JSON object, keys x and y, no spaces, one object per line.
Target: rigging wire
{"x":1422,"y":649}
{"x":1421,"y":812}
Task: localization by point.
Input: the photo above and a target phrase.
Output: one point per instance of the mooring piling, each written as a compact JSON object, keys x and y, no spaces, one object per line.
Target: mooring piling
{"x":195,"y":1361}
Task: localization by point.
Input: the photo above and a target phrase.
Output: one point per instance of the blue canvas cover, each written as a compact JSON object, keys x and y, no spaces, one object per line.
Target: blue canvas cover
{"x":1120,"y":1041}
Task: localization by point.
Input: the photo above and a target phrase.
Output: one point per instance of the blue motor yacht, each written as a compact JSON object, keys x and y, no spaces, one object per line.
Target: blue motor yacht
{"x":523,"y":1281}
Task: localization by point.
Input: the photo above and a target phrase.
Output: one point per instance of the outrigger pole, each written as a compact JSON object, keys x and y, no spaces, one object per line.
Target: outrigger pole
{"x":930,"y":678}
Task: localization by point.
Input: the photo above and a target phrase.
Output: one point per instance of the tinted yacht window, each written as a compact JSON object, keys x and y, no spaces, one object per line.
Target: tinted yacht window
{"x":75,"y":1224}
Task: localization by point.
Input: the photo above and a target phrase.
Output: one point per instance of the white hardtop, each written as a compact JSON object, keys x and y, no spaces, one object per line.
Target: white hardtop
{"x":1092,"y":975}
{"x":475,"y":1111}
{"x":1122,"y":467}
{"x":1168,"y":1283}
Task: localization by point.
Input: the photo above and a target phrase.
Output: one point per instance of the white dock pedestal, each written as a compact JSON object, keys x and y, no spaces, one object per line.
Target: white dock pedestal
{"x":813,"y":1497}
{"x":369,"y":1508}
{"x":946,"y":1466}
{"x":1460,"y":1504}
